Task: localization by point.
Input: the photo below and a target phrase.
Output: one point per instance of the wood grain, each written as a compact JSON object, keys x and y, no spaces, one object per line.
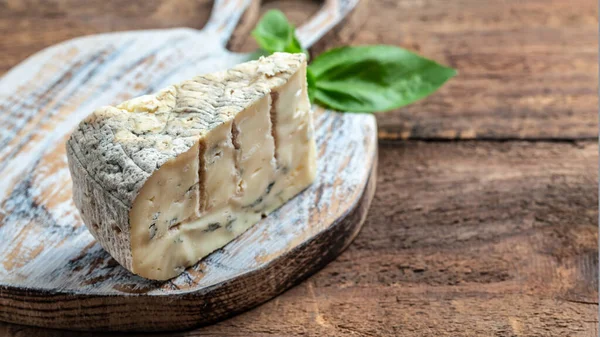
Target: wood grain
{"x":462,"y":239}
{"x":527,"y":68}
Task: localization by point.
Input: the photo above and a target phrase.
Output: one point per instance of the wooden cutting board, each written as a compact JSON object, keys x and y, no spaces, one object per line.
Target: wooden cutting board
{"x":54,"y":274}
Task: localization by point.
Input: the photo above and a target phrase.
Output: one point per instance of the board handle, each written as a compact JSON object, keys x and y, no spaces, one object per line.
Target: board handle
{"x":224,"y":17}
{"x":226,"y":14}
{"x":331,"y":15}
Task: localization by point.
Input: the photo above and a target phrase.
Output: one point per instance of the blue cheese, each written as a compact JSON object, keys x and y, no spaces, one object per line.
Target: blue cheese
{"x":164,"y":180}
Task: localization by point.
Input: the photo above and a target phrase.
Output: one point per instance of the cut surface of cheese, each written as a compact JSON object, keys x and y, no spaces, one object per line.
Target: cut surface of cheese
{"x":163,"y":180}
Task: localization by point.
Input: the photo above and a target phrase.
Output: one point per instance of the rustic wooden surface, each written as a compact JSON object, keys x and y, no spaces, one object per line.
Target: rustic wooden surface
{"x":496,"y":236}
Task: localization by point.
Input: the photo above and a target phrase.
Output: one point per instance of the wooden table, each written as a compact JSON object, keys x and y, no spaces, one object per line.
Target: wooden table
{"x":484,"y":222}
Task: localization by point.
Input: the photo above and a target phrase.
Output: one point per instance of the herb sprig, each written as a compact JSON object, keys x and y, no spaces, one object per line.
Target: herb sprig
{"x":372,"y":78}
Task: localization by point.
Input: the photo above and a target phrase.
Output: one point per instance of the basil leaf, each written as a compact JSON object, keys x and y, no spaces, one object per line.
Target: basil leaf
{"x":311,"y":84}
{"x":274,"y":33}
{"x":374,"y":78}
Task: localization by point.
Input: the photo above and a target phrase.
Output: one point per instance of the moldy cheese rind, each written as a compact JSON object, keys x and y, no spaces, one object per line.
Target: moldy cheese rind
{"x":163,"y":180}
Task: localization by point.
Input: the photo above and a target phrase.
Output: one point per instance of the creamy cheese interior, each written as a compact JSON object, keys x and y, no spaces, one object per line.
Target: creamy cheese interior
{"x":239,"y":172}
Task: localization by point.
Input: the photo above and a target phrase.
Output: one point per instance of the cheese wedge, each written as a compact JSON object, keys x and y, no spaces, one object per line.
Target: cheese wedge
{"x":163,"y":180}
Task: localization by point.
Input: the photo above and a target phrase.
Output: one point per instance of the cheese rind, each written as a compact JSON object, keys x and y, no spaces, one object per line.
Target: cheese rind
{"x":163,"y":180}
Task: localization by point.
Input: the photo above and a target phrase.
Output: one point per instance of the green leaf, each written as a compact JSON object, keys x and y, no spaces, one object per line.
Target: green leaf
{"x":374,"y":78}
{"x":311,"y":85}
{"x":274,"y":33}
